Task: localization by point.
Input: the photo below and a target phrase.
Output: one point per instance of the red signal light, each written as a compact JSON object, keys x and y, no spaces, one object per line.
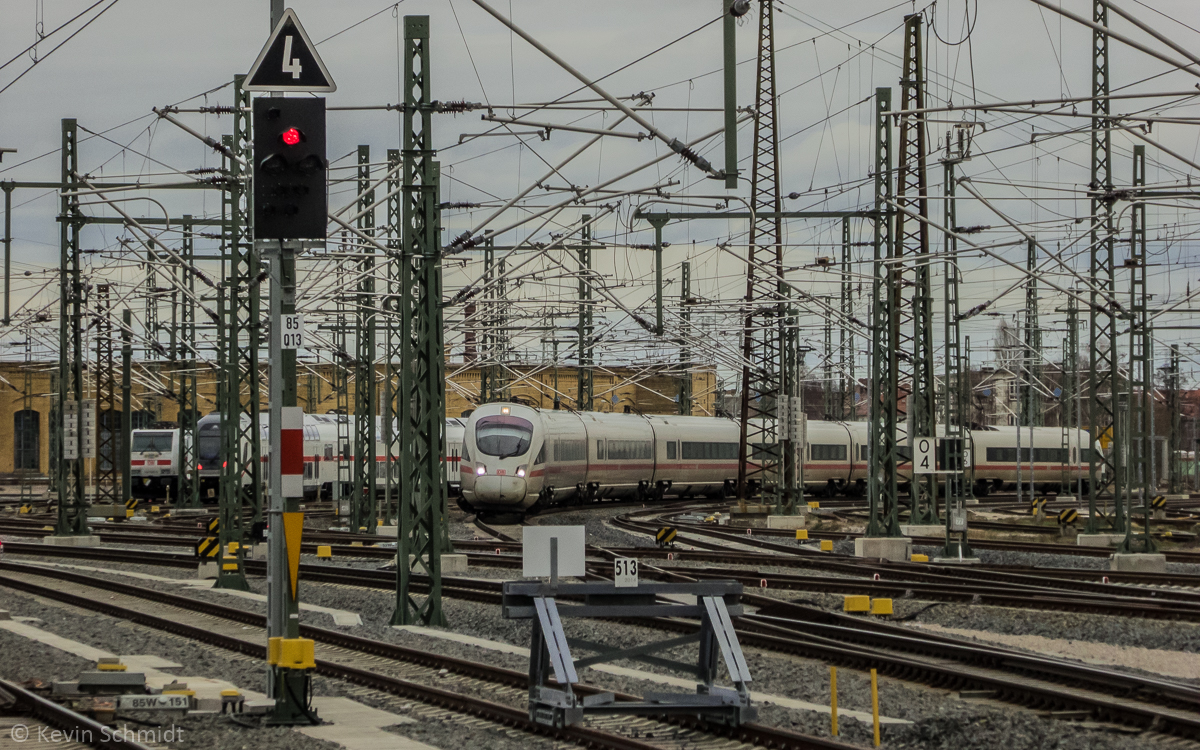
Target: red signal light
{"x":291,"y":136}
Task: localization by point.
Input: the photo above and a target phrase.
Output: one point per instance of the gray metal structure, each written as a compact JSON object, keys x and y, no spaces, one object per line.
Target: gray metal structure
{"x":550,"y":648}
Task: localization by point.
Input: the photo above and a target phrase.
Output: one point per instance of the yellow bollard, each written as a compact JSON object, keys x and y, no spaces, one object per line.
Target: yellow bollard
{"x":802,"y":533}
{"x":919,"y":558}
{"x":875,"y":705}
{"x":324,"y":551}
{"x":856,"y":603}
{"x":827,"y":545}
{"x":814,"y":504}
{"x":833,"y":700}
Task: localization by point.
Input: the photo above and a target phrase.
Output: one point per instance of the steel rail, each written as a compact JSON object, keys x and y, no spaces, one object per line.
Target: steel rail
{"x":77,"y":727}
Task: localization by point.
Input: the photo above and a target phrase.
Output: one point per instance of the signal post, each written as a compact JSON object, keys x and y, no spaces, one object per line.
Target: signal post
{"x":290,"y":212}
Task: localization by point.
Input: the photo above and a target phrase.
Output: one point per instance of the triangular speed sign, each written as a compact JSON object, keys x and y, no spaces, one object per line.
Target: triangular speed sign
{"x":289,"y":61}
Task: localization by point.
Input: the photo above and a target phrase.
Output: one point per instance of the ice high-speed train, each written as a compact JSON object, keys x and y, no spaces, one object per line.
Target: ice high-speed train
{"x":516,"y":458}
{"x":154,"y":455}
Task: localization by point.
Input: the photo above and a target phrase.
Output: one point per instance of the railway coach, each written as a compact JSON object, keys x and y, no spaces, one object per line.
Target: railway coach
{"x":520,"y":459}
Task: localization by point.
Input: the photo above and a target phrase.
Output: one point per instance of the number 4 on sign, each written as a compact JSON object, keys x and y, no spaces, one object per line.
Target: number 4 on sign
{"x":290,"y":64}
{"x":923,"y":460}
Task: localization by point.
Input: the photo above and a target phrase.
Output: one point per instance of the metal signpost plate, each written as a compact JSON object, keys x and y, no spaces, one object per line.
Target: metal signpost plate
{"x":625,"y":572}
{"x":154,"y":702}
{"x":293,"y":331}
{"x":535,"y":550}
{"x":924,"y":461}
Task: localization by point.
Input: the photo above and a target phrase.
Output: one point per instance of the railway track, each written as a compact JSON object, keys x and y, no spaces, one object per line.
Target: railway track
{"x":340,"y":656}
{"x":1042,"y":683}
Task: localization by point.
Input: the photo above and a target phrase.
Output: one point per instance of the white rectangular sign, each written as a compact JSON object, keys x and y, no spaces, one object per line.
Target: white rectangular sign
{"x":535,"y":550}
{"x":154,"y":702}
{"x":625,"y":572}
{"x":293,"y":331}
{"x":924,"y":460}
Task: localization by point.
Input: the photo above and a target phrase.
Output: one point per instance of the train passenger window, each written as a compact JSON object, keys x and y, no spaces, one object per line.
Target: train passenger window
{"x":903,"y":454}
{"x":1085,"y":455}
{"x":600,"y":449}
{"x":308,"y":469}
{"x":329,"y":453}
{"x":1050,"y":455}
{"x":630,"y":449}
{"x":541,"y":456}
{"x":710,"y":451}
{"x":862,"y":453}
{"x":671,"y":450}
{"x":569,"y":450}
{"x":467,"y":456}
{"x":832,"y":452}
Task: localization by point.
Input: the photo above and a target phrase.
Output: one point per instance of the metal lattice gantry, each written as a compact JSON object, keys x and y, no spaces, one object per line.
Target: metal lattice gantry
{"x":912,"y":249}
{"x":767,"y":462}
{"x":422,"y":388}
{"x":362,"y":496}
{"x":241,"y":483}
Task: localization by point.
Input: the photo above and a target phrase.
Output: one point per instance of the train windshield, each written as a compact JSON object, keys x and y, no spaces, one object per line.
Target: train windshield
{"x":152,"y":442}
{"x":208,"y":445}
{"x":503,"y":436}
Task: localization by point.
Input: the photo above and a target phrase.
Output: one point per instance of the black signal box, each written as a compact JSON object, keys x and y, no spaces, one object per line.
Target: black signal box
{"x":290,"y":169}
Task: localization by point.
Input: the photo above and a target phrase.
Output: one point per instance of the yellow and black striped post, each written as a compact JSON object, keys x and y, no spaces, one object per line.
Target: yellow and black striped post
{"x":666,"y":536}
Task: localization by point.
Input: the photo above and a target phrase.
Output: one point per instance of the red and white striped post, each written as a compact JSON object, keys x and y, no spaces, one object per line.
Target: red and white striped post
{"x":291,"y":451}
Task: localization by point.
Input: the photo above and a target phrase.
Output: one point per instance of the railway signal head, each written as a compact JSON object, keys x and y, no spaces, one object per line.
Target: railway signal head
{"x":290,"y":199}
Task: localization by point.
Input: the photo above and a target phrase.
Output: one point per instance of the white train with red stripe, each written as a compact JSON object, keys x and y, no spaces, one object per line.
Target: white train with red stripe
{"x":516,"y":457}
{"x":154,"y":456}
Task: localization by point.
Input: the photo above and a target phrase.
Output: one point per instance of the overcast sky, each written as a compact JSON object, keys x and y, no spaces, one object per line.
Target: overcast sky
{"x":145,"y":53}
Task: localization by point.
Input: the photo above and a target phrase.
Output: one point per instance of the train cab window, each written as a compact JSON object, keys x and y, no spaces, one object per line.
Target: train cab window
{"x":832,"y":452}
{"x":208,"y":446}
{"x":157,"y":442}
{"x":503,"y":435}
{"x":467,"y":456}
{"x":600,"y":449}
{"x":671,"y":450}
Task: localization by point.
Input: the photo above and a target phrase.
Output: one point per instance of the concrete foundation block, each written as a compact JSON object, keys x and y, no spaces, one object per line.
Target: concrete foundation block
{"x":971,"y":501}
{"x":1169,"y":498}
{"x":956,"y":561}
{"x":392,"y":531}
{"x":207,"y":571}
{"x":893,"y":549}
{"x":185,"y":512}
{"x":1099,"y":540}
{"x":258,"y":551}
{"x":451,"y":563}
{"x":937,"y":530}
{"x":1068,"y":498}
{"x":72,"y":541}
{"x":787,"y":522}
{"x":1139,"y":563}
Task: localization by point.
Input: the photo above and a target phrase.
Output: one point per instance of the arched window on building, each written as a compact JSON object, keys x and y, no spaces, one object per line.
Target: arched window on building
{"x":27,"y":443}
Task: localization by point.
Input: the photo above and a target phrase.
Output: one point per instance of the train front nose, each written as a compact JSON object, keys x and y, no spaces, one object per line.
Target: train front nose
{"x":499,"y":490}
